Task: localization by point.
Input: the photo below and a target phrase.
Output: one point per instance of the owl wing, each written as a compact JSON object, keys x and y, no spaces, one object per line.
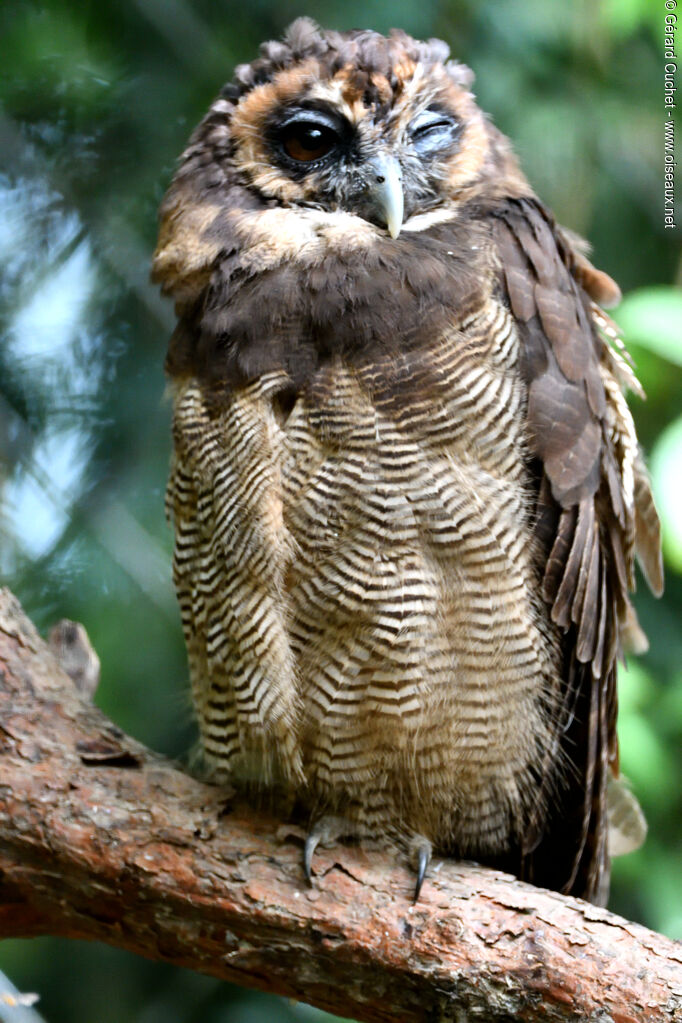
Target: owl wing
{"x":594,"y":511}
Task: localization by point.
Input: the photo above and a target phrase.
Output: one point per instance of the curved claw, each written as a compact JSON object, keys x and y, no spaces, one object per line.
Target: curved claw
{"x":326,"y":829}
{"x":423,"y":858}
{"x":311,"y":844}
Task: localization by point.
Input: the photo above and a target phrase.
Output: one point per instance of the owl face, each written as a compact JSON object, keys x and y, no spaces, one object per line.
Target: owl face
{"x":371,"y":130}
{"x":330,"y":145}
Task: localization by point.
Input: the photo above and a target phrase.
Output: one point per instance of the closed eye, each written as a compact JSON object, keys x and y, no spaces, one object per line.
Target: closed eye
{"x":439,"y":124}
{"x":433,"y":130}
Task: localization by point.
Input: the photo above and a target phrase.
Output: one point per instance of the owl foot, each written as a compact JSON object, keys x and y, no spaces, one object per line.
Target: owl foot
{"x":326,"y":830}
{"x":420,"y":854}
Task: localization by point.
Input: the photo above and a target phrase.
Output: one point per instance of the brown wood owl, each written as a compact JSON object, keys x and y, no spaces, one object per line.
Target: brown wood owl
{"x":406,"y":488}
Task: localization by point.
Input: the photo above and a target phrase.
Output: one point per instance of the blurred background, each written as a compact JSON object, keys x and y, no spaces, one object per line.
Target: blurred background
{"x":97,"y":101}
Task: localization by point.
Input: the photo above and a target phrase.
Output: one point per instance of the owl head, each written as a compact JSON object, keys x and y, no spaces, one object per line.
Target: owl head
{"x":370,"y":135}
{"x":382,"y":128}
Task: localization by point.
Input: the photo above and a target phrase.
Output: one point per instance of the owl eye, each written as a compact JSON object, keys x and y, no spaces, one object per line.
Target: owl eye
{"x":308,"y":137}
{"x":308,"y":142}
{"x":432,"y":130}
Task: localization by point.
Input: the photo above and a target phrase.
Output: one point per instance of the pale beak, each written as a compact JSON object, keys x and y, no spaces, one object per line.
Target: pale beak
{"x":385,"y":185}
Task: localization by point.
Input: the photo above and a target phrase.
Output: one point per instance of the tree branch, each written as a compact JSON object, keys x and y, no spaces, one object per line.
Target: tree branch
{"x":102,"y":839}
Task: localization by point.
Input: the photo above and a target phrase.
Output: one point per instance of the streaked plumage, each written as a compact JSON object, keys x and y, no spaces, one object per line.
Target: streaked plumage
{"x":406,"y":487}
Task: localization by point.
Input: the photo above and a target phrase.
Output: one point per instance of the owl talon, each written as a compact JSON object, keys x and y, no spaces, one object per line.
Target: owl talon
{"x":311,"y":844}
{"x":326,"y":831}
{"x":422,"y":851}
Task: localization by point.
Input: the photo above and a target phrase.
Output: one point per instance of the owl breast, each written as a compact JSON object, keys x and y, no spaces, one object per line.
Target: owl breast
{"x":424,"y":672}
{"x":358,"y":584}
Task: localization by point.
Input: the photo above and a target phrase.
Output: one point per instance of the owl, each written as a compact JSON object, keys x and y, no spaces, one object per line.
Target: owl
{"x":406,"y":489}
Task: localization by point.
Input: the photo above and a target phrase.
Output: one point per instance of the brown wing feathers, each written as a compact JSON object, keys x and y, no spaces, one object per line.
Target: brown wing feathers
{"x":581,"y":432}
{"x":566,"y":420}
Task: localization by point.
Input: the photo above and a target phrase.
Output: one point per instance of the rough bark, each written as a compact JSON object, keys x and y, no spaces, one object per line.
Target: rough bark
{"x":102,"y":839}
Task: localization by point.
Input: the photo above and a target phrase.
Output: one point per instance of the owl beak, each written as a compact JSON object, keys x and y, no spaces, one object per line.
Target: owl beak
{"x":385,"y":185}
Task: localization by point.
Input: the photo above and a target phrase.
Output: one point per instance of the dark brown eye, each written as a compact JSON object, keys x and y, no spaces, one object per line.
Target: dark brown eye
{"x":308,"y":141}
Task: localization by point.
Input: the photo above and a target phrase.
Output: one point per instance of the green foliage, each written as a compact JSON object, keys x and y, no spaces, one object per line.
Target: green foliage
{"x":652,"y":317}
{"x":97,"y":102}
